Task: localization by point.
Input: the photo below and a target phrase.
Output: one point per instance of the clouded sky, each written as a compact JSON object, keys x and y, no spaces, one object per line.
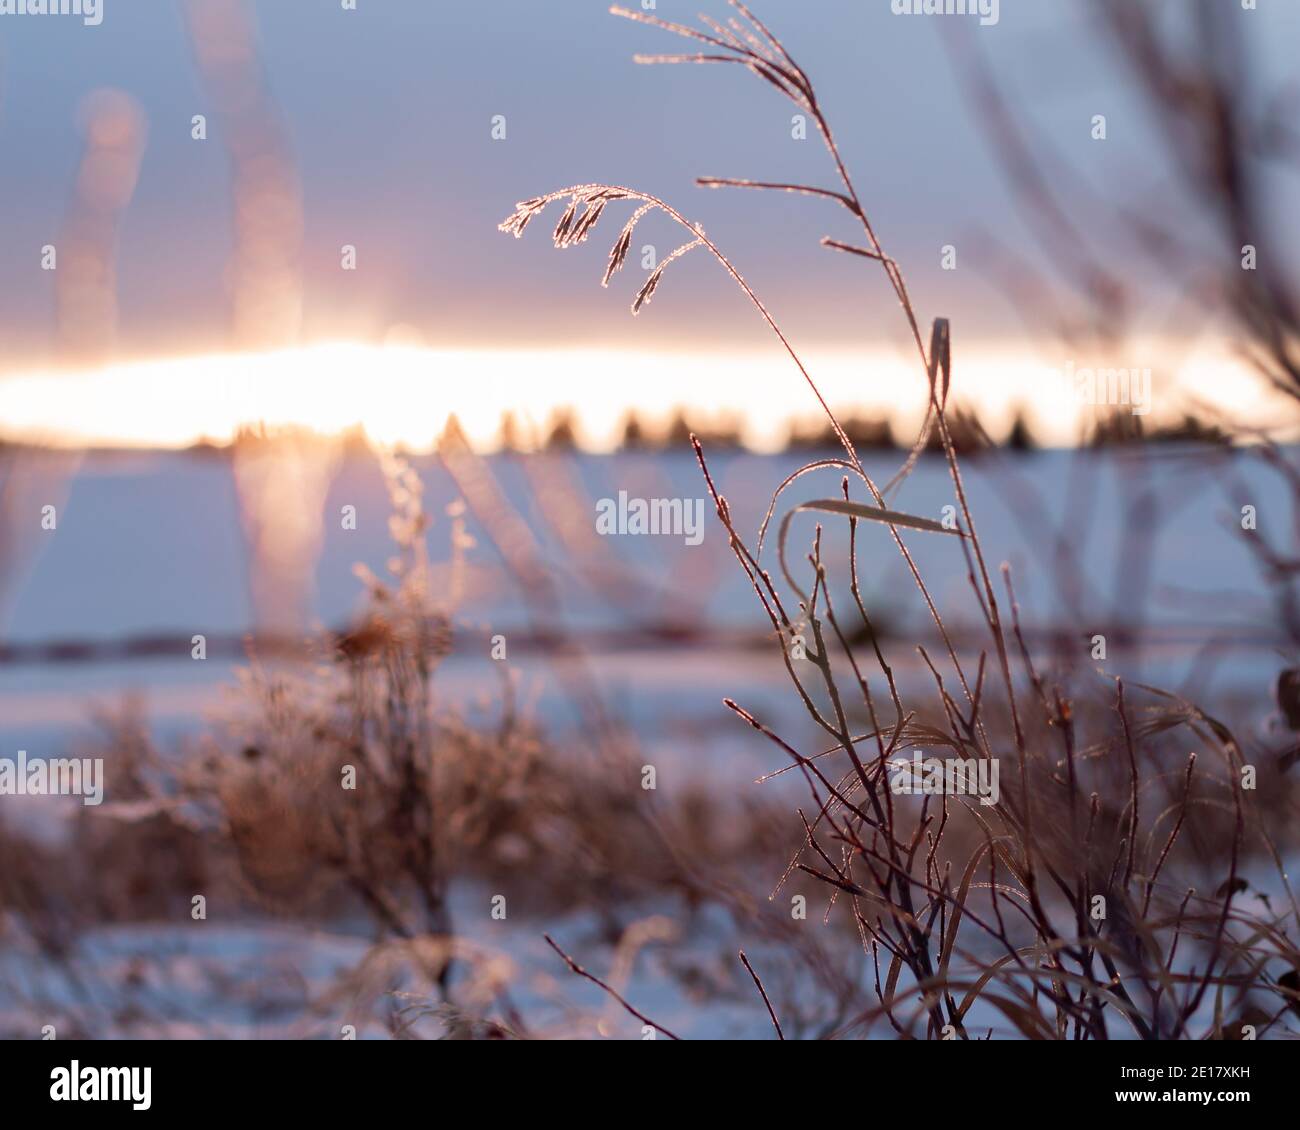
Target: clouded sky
{"x":388,"y":113}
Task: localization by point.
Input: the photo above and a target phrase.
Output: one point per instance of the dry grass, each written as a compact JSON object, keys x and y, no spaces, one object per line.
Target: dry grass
{"x":1095,"y":803}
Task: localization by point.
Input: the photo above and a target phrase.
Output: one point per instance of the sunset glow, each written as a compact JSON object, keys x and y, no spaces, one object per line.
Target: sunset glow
{"x":403,"y":394}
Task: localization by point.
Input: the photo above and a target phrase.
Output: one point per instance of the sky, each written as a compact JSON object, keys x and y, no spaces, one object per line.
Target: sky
{"x":385,"y":124}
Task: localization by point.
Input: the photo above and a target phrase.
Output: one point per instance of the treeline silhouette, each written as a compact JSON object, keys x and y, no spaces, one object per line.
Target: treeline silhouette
{"x":563,"y":432}
{"x":867,"y":433}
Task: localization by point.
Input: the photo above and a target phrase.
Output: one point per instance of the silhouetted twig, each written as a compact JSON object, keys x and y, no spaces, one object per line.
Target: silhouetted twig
{"x":763,"y":993}
{"x":578,"y":969}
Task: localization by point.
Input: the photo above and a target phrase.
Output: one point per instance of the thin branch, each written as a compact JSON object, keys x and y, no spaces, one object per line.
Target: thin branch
{"x":852,"y":249}
{"x":578,"y":969}
{"x":778,"y":186}
{"x":763,"y":993}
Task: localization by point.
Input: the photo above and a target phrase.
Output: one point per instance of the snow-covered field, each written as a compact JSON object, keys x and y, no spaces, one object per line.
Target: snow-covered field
{"x":154,"y":546}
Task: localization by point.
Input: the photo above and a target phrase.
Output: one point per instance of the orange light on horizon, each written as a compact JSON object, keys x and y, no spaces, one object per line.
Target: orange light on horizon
{"x":402,"y":394}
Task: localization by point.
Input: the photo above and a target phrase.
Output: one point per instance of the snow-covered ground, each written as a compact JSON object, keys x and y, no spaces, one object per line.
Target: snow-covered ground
{"x":154,"y":545}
